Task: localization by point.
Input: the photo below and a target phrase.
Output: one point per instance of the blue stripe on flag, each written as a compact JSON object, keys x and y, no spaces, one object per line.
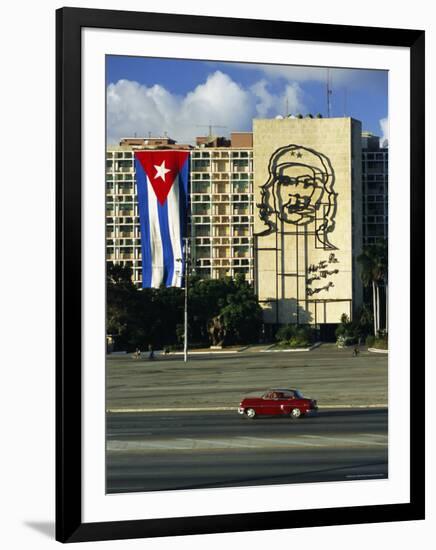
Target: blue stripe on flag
{"x":141,"y":184}
{"x":167,"y":246}
{"x":183,"y":205}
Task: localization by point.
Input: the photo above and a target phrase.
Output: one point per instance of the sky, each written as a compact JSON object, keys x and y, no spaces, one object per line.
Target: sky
{"x":181,"y":98}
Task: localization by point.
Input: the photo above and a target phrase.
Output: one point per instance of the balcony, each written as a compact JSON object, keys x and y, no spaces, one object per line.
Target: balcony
{"x":122,"y":212}
{"x":220,"y":220}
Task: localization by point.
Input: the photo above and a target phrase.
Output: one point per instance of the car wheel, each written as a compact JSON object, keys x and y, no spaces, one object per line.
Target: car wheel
{"x":251,"y":413}
{"x":296,"y":413}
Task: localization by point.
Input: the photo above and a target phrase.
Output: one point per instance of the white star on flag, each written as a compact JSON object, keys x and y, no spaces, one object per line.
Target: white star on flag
{"x":161,"y":171}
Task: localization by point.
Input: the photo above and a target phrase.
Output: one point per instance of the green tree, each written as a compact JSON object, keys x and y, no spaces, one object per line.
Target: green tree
{"x":241,"y":312}
{"x":120,"y":293}
{"x":374,"y":263}
{"x":140,"y":317}
{"x":206,"y":297}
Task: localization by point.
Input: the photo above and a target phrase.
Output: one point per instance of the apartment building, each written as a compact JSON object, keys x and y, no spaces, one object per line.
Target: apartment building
{"x":123,"y":239}
{"x":222,"y":209}
{"x":221,"y":192}
{"x":375,"y":159}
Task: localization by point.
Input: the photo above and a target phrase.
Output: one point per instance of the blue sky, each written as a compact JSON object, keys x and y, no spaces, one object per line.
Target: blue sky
{"x":151,"y":96}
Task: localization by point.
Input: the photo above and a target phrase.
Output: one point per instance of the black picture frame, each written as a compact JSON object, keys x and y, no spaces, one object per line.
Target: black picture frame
{"x":69,"y":525}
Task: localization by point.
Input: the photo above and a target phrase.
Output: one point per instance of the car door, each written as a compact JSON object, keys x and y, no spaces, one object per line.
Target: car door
{"x":269,"y":403}
{"x":282,"y":403}
{"x":289,"y":402}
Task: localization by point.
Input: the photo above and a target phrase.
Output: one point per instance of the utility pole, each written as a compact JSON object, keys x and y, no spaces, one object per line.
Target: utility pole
{"x":345,"y":102}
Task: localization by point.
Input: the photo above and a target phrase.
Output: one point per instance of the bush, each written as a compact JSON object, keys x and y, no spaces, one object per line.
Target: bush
{"x":297,"y":342}
{"x":295,"y":336}
{"x":348,"y":333}
{"x":381,"y":343}
{"x":285,"y":333}
{"x":343,"y":341}
{"x":370,"y":341}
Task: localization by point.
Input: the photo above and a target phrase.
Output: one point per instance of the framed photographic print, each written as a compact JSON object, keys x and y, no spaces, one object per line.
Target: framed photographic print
{"x":240,"y":250}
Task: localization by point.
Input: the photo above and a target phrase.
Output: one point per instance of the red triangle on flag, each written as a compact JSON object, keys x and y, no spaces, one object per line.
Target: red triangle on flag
{"x":162,"y":168}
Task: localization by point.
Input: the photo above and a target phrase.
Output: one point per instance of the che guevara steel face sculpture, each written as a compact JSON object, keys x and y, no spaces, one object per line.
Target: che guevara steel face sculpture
{"x":300,"y":191}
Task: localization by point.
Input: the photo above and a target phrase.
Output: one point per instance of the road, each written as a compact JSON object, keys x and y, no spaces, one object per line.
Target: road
{"x":151,"y":451}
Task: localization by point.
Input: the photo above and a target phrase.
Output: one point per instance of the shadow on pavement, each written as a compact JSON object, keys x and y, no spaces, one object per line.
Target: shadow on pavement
{"x":351,"y":412}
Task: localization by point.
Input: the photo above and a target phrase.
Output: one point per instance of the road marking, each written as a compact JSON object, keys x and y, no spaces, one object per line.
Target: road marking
{"x":368,"y":441}
{"x":300,"y":440}
{"x":242,"y":442}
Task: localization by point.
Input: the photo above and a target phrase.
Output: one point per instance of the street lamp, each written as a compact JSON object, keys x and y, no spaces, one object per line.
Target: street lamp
{"x":185,"y":340}
{"x":186,"y":272}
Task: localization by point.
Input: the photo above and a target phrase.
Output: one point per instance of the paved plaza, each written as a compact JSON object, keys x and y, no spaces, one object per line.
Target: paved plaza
{"x":332,"y":376}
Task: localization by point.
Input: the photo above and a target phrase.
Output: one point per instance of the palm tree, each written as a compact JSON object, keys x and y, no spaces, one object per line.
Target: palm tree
{"x":374,"y":262}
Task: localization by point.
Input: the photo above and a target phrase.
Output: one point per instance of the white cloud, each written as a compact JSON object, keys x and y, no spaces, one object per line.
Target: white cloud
{"x":292,"y":98}
{"x":264,"y":99}
{"x":219,"y":101}
{"x":384,"y":125}
{"x":351,"y":78}
{"x":133,"y":108}
{"x":269,"y":104}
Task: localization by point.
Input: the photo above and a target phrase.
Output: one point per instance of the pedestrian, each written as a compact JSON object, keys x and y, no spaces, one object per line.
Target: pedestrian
{"x":150,"y":352}
{"x":355,"y":351}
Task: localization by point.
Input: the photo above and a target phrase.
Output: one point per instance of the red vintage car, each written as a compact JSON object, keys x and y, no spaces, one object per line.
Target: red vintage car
{"x":284,"y":402}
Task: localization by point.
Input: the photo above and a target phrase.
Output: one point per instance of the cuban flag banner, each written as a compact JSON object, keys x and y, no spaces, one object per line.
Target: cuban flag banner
{"x":162,"y":183}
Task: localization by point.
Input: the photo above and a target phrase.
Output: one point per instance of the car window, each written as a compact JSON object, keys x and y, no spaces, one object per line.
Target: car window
{"x":298,"y":394}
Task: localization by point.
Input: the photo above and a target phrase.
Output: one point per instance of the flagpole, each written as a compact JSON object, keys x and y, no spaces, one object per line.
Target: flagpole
{"x":185,"y":339}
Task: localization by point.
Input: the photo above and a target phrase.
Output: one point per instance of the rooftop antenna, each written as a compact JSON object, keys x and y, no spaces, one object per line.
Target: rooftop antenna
{"x":329,"y":92}
{"x":345,"y":102}
{"x":210,"y":126}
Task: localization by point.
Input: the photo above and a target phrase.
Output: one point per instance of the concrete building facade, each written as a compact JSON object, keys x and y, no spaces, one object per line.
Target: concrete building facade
{"x":308,"y":219}
{"x":375,"y":160}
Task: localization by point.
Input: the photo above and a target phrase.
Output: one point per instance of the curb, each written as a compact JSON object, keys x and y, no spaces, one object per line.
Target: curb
{"x":215,"y":409}
{"x":211,"y":352}
{"x":377,"y":350}
{"x":269,"y":350}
